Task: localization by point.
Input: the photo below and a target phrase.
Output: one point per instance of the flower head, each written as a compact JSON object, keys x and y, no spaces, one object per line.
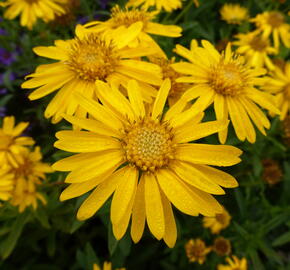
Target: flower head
{"x":233,"y":13}
{"x":11,"y":142}
{"x":286,"y":129}
{"x":278,"y":83}
{"x":256,"y":49}
{"x":196,"y":250}
{"x":27,"y":177}
{"x":6,"y":57}
{"x":217,"y":223}
{"x":234,"y":263}
{"x":228,"y":82}
{"x":135,"y":25}
{"x":272,"y":173}
{"x":273,"y":22}
{"x":167,"y":5}
{"x":222,"y":246}
{"x":31,"y":10}
{"x":82,"y":61}
{"x":144,"y":158}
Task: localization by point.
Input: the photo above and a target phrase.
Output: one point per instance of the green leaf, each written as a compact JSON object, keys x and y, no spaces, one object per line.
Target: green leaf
{"x":7,"y":246}
{"x":258,"y":265}
{"x":112,"y":241}
{"x":281,"y":240}
{"x":76,"y":225}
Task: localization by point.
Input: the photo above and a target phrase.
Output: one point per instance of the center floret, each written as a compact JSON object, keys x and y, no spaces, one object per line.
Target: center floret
{"x":148,"y":144}
{"x":127,"y":17}
{"x":275,"y":19}
{"x":93,"y":59}
{"x":227,"y":78}
{"x":259,"y":44}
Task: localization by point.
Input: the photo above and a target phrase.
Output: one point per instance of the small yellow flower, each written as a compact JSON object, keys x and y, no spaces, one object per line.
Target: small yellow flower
{"x":134,"y":26}
{"x":279,"y":84}
{"x":106,"y":266}
{"x":82,"y":61}
{"x":26,"y":177}
{"x":229,"y":83}
{"x":11,"y":141}
{"x":196,"y":250}
{"x":273,"y":22}
{"x":272,"y":173}
{"x":286,"y":130}
{"x":31,"y":10}
{"x":233,"y":13}
{"x":234,"y":264}
{"x":167,"y":5}
{"x":222,"y":246}
{"x":177,"y":89}
{"x":256,"y":49}
{"x":217,"y":223}
{"x":144,"y":157}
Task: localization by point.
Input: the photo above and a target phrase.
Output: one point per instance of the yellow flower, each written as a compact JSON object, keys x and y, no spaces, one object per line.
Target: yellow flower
{"x":234,"y":264}
{"x":226,"y":81}
{"x":272,"y":173}
{"x":196,"y":250}
{"x":286,"y":130}
{"x":27,"y":176}
{"x":167,"y":5}
{"x":273,"y":22}
{"x":279,"y":84}
{"x":31,"y":10}
{"x":256,"y":49}
{"x":82,"y":61}
{"x":233,"y":13}
{"x":177,"y":89}
{"x":135,"y":25}
{"x":217,"y":223}
{"x":6,"y":183}
{"x":144,"y":158}
{"x":106,"y":266}
{"x":11,"y":141}
{"x":222,"y":246}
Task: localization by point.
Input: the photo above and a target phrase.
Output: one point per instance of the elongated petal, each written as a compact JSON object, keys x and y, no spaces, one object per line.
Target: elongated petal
{"x":154,"y":207}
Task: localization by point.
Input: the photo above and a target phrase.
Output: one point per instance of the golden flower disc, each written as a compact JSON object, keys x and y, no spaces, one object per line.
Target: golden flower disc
{"x":226,"y":79}
{"x":259,"y":44}
{"x":92,"y":59}
{"x":275,"y":19}
{"x":23,"y":170}
{"x":148,"y":144}
{"x":127,"y":17}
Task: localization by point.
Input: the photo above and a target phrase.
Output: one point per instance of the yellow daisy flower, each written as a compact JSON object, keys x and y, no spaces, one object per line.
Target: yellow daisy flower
{"x":196,"y":250}
{"x":27,"y":176}
{"x":145,"y":160}
{"x":11,"y":141}
{"x":222,"y":246}
{"x":167,"y":5}
{"x":106,"y":266}
{"x":177,"y":89}
{"x":256,"y":50}
{"x":234,"y":13}
{"x":226,"y":81}
{"x":31,"y":10}
{"x":81,"y":62}
{"x":234,"y":264}
{"x":6,"y":183}
{"x":279,"y":84}
{"x":217,"y":223}
{"x":135,"y":25}
{"x":273,"y":22}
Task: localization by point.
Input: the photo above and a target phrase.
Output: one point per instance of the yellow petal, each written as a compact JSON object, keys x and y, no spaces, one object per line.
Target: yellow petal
{"x":154,"y":207}
{"x":135,"y":97}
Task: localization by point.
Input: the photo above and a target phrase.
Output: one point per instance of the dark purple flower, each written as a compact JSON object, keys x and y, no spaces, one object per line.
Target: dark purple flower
{"x":11,"y":78}
{"x":3,"y":32}
{"x":6,"y":57}
{"x":2,"y":111}
{"x":104,"y":3}
{"x":3,"y":91}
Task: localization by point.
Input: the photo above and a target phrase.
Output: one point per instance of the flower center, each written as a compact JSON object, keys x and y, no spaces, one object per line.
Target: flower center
{"x":275,"y":19}
{"x":287,"y":91}
{"x":227,"y":79}
{"x":23,"y":170}
{"x":221,"y":218}
{"x":258,"y":44}
{"x":148,"y":144}
{"x":127,"y":17}
{"x":5,"y":141}
{"x":92,"y":59}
